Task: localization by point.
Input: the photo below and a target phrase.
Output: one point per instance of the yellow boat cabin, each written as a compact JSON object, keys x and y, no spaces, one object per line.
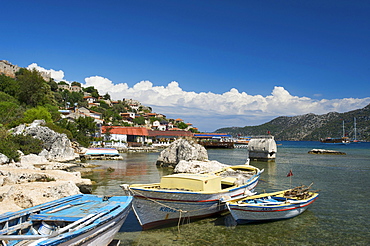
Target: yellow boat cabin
{"x":192,"y":182}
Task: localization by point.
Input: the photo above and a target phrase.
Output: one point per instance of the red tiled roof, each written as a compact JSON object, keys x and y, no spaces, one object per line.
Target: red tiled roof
{"x":170,"y":133}
{"x":136,"y":131}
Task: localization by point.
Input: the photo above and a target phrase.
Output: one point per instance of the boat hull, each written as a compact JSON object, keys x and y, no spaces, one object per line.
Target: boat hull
{"x":159,"y":208}
{"x":245,"y":213}
{"x":99,"y":236}
{"x":76,"y":220}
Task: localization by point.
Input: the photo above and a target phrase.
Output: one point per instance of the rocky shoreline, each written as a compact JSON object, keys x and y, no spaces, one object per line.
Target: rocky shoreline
{"x":41,"y":178}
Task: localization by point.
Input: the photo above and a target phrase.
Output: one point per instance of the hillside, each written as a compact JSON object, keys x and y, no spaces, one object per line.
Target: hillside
{"x":310,"y":127}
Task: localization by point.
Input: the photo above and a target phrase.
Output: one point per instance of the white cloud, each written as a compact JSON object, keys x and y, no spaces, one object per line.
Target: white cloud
{"x":209,"y":111}
{"x":56,"y":75}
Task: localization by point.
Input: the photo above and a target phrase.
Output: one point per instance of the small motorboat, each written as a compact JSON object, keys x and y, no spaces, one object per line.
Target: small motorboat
{"x":271,"y":206}
{"x":81,"y":219}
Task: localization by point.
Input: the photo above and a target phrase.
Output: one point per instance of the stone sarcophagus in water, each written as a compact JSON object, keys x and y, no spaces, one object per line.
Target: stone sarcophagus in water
{"x":262,"y":148}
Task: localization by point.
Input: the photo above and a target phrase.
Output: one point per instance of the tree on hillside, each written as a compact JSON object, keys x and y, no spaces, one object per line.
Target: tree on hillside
{"x":182,"y":125}
{"x":91,"y":89}
{"x":33,"y":89}
{"x":139,"y":120}
{"x":8,"y":85}
{"x":86,"y":129}
{"x":106,"y":96}
{"x":86,"y":125}
{"x":53,"y":85}
{"x":10,"y":112}
{"x":38,"y":113}
{"x":74,"y":83}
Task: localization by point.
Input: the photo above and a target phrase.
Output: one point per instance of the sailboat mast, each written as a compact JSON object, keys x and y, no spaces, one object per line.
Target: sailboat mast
{"x":354,"y":120}
{"x":343,"y":129}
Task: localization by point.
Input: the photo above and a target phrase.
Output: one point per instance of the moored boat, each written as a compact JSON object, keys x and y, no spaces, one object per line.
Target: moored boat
{"x":185,"y":197}
{"x":342,"y":140}
{"x":75,"y":220}
{"x":102,"y":151}
{"x":271,"y":206}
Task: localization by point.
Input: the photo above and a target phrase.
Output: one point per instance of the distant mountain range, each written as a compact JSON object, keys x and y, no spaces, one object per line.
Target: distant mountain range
{"x":311,"y":127}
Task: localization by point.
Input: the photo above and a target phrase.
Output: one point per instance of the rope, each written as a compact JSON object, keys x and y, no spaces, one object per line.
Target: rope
{"x":175,"y":209}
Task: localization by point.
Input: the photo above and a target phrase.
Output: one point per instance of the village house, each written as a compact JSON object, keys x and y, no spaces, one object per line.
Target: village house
{"x":75,"y":88}
{"x":63,"y":87}
{"x":160,"y":126}
{"x":75,"y":113}
{"x":133,"y":136}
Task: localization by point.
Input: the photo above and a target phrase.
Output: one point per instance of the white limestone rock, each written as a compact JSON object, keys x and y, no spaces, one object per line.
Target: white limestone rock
{"x":179,"y":150}
{"x":26,"y":195}
{"x":198,"y":166}
{"x":57,"y":146}
{"x":3,"y":159}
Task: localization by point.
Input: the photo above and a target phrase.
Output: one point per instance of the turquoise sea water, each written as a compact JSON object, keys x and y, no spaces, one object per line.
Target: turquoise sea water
{"x":339,"y":217}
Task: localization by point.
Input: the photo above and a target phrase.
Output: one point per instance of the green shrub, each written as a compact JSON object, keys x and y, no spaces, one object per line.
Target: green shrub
{"x":27,"y":144}
{"x":9,"y":148}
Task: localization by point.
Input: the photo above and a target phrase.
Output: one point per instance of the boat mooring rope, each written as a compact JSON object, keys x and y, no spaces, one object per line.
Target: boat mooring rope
{"x":175,"y":209}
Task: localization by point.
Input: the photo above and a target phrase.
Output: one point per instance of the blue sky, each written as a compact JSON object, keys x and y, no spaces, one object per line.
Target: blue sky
{"x":212,"y":63}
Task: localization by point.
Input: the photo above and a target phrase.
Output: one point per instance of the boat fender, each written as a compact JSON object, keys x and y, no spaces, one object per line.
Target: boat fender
{"x":248,"y":192}
{"x":225,"y":198}
{"x":126,"y":189}
{"x":125,"y":186}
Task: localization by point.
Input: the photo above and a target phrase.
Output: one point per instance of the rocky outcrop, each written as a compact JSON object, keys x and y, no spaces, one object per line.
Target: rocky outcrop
{"x":179,"y":150}
{"x":26,"y":195}
{"x":325,"y":152}
{"x":198,"y":166}
{"x":57,"y":146}
{"x":22,"y":187}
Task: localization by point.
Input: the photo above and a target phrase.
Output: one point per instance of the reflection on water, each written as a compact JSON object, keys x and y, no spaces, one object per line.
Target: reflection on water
{"x":338,"y":217}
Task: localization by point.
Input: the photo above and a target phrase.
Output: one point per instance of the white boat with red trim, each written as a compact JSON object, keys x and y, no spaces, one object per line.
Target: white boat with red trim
{"x":185,"y":197}
{"x":271,"y":206}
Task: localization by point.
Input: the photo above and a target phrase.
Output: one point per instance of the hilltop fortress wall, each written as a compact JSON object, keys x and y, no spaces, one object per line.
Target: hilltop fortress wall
{"x":9,"y":70}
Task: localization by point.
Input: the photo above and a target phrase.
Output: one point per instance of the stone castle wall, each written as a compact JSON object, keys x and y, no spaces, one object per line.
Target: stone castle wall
{"x":9,"y":70}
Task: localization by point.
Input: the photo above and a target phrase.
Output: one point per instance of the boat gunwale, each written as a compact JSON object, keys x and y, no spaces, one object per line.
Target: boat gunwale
{"x":300,"y":203}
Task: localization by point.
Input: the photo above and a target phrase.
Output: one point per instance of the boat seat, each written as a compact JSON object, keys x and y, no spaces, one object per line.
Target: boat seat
{"x":228,"y":181}
{"x":45,"y":217}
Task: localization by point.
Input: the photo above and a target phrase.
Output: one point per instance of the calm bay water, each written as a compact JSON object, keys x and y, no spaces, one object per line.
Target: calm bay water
{"x":339,"y":217}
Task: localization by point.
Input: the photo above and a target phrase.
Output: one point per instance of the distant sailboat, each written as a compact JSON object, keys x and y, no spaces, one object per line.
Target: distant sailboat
{"x":355,"y":131}
{"x":342,"y":140}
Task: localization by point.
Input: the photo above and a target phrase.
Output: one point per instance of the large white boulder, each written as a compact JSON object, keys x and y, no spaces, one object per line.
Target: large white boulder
{"x":198,"y":166}
{"x":57,"y":146}
{"x":182,"y":149}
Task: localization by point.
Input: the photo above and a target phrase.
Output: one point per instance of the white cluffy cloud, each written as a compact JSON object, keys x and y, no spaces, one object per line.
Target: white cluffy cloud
{"x":56,"y":75}
{"x":209,"y":111}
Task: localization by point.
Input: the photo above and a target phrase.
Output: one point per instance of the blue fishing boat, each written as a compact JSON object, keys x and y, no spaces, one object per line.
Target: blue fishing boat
{"x":81,"y":219}
{"x":271,"y":206}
